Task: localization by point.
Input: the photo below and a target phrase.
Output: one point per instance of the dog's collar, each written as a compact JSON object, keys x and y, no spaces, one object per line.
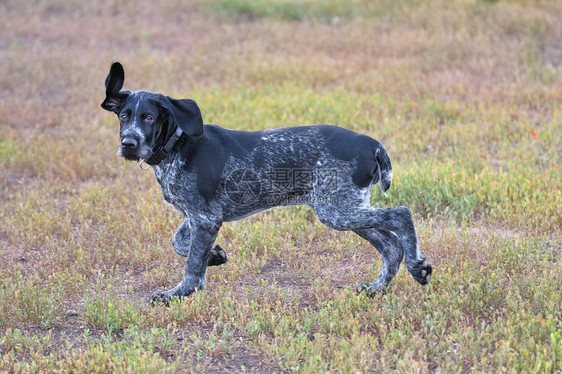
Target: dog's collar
{"x":175,"y":142}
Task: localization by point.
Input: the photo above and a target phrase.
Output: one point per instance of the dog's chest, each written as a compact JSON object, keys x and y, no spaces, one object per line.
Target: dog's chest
{"x":173,"y":183}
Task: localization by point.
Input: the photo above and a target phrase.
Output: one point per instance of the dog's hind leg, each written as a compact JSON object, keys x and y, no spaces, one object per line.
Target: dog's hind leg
{"x":390,"y":248}
{"x":397,"y":220}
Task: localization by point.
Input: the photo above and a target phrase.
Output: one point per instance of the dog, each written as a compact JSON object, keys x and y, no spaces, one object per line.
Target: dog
{"x":213,"y":175}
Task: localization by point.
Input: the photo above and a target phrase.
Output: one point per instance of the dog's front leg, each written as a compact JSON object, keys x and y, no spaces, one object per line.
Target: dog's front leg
{"x":182,"y":238}
{"x":182,"y":245}
{"x":200,"y":236}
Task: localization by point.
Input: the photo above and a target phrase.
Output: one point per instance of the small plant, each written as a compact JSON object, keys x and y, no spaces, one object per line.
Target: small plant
{"x":111,"y":314}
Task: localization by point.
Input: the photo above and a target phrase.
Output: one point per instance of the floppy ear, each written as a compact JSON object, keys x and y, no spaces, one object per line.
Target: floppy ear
{"x":113,"y":84}
{"x":186,"y":115}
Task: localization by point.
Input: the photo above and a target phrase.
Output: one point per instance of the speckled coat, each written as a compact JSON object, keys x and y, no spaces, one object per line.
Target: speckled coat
{"x":219,"y":175}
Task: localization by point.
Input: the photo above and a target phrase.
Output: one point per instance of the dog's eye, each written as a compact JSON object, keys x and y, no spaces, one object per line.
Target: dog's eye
{"x":123,"y":117}
{"x":149,"y":118}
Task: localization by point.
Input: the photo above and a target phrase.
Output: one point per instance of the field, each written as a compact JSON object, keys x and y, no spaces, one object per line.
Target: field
{"x":465,"y":96}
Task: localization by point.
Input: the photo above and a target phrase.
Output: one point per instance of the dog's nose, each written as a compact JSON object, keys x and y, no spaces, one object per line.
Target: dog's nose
{"x":129,"y":143}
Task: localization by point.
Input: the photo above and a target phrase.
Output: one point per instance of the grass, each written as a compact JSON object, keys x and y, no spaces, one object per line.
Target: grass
{"x":472,"y":123}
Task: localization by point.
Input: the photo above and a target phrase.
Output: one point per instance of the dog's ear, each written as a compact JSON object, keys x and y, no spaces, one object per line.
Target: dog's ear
{"x":113,"y":84}
{"x":185,"y":113}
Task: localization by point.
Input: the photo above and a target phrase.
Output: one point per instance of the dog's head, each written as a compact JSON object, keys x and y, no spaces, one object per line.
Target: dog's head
{"x":147,"y":119}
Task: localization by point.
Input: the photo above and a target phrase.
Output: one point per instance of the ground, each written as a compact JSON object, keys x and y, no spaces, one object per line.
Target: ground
{"x":465,"y":96}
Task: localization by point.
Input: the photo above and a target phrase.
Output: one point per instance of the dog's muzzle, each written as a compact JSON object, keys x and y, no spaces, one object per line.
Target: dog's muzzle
{"x":129,"y":143}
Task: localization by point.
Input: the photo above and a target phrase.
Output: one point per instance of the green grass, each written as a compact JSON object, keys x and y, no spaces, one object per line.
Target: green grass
{"x":283,"y":10}
{"x":472,"y":123}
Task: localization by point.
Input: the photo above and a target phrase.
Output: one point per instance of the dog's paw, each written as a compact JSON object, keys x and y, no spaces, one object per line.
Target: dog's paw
{"x":160,"y":298}
{"x":421,"y":272}
{"x":370,"y":289}
{"x":218,"y":256}
{"x":166,"y":297}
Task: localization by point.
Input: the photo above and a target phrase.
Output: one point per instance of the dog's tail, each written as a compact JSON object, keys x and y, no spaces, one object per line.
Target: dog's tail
{"x":384,"y":168}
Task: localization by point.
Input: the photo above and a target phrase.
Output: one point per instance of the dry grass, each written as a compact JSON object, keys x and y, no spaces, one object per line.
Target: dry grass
{"x":472,"y":123}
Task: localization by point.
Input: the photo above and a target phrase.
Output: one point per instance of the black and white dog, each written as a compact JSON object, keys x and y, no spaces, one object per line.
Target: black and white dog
{"x":214,"y":175}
